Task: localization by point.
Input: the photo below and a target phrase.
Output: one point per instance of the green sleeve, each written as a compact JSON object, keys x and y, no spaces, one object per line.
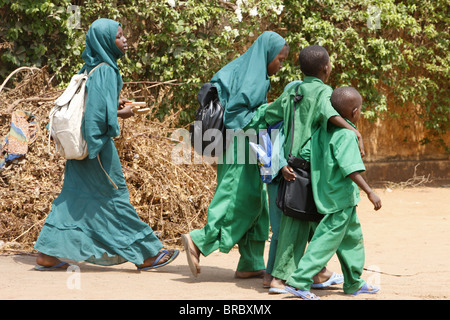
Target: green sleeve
{"x":346,"y":152}
{"x":306,"y":151}
{"x":258,"y":120}
{"x":281,"y":141}
{"x":282,"y":160}
{"x":275,"y":111}
{"x":326,"y":110}
{"x":100,"y":121}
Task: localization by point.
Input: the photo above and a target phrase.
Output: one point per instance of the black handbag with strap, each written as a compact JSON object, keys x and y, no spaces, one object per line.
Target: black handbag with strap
{"x":209,"y":115}
{"x":295,"y":197}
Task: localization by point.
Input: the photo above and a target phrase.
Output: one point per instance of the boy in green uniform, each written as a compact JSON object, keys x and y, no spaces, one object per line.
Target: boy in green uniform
{"x":314,"y":111}
{"x":335,"y":176}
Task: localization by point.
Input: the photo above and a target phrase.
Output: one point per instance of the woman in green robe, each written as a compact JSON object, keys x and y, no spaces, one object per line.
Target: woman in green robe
{"x":92,"y":219}
{"x":238,"y":212}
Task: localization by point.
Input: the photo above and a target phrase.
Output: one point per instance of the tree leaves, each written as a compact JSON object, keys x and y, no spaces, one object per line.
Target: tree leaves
{"x":393,"y":52}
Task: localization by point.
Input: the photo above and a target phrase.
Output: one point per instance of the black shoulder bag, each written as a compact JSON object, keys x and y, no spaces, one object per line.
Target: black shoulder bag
{"x":209,"y":115}
{"x":295,"y":197}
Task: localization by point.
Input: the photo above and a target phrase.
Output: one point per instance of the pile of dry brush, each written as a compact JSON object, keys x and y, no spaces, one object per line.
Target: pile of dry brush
{"x":172,"y":198}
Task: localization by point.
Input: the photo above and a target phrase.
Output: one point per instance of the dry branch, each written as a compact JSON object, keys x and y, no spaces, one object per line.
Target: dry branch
{"x":16,"y":71}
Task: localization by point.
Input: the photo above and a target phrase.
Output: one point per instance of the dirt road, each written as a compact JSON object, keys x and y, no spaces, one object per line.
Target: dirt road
{"x":407,"y":247}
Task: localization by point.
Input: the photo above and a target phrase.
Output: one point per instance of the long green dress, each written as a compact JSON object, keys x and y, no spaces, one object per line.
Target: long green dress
{"x":92,"y":219}
{"x":238,"y":212}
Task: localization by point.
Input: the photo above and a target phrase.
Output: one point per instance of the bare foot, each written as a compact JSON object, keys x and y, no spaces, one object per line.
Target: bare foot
{"x":267,"y":279}
{"x":326,"y":278}
{"x":249,"y":274}
{"x":45,"y":260}
{"x":322,"y":276}
{"x":277,"y":283}
{"x":277,"y":286}
{"x":150,"y":261}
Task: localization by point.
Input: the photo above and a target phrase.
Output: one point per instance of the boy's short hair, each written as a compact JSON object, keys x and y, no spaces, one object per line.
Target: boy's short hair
{"x":339,"y":97}
{"x":312,"y":59}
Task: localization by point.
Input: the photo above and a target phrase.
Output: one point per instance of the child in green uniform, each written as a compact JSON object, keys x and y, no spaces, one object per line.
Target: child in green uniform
{"x":335,"y":175}
{"x":314,"y":111}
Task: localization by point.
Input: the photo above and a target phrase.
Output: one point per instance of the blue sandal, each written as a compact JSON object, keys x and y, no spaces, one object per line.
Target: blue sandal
{"x":277,"y":291}
{"x":336,"y":278}
{"x":366,"y":289}
{"x":160,"y":256}
{"x":58,"y":266}
{"x":304,"y":294}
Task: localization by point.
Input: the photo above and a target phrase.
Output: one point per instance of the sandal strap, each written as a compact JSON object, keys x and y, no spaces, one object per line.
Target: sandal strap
{"x":162,"y":253}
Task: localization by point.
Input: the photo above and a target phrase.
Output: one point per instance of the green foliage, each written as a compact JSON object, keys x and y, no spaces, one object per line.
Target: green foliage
{"x":394,"y":53}
{"x":33,"y":33}
{"x":404,"y":60}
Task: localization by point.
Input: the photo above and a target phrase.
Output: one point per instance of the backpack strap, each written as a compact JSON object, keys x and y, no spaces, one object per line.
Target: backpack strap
{"x":96,"y":67}
{"x":107,"y":175}
{"x":298,"y":97}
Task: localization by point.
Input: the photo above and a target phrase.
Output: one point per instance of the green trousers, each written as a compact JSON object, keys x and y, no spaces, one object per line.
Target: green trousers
{"x":338,"y":233}
{"x":275,"y":220}
{"x":238,"y":213}
{"x":294,"y":235}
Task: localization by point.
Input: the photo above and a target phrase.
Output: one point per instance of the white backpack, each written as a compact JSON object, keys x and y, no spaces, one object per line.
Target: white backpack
{"x":66,"y":117}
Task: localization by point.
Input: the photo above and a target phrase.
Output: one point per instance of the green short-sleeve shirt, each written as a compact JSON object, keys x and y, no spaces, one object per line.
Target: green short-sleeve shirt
{"x":311,"y":113}
{"x":334,"y":154}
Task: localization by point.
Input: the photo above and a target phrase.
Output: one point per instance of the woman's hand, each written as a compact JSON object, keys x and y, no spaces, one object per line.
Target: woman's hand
{"x":124,"y":111}
{"x":122,"y":102}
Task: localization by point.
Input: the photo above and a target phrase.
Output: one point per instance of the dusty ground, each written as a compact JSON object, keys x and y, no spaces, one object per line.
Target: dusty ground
{"x":407,"y":244}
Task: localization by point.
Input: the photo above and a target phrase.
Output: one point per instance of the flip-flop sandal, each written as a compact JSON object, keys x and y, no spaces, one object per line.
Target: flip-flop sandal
{"x":304,"y":294}
{"x":336,"y":278}
{"x":58,"y":266}
{"x":162,"y":253}
{"x":366,"y":289}
{"x":277,"y":291}
{"x":195,"y":268}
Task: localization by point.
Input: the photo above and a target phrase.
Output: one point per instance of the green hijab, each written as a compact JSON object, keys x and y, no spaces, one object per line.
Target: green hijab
{"x":243,"y":83}
{"x":103,"y":86}
{"x":101,"y":46}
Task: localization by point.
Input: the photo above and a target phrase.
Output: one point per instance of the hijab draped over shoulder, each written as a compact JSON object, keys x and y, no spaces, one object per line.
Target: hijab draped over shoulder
{"x":103,"y":86}
{"x":243,"y":84}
